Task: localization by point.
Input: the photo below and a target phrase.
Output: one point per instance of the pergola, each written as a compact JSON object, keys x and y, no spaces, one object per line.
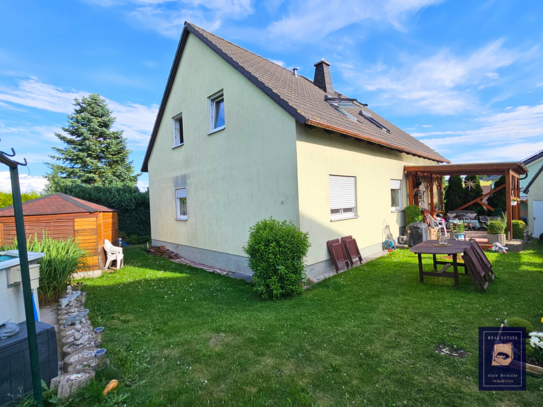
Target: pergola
{"x":433,"y":175}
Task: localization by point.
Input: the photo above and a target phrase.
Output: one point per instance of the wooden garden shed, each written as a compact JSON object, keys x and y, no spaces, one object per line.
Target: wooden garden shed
{"x":62,"y":216}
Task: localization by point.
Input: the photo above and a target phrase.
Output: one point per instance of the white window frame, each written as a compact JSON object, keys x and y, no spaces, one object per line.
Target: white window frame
{"x":339,"y":211}
{"x":213,"y":99}
{"x":178,"y":195}
{"x":396,"y":184}
{"x":175,"y":120}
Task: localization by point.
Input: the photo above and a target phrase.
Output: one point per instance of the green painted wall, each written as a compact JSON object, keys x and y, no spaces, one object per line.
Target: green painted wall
{"x":234,"y":177}
{"x":535,"y":194}
{"x":320,"y":155}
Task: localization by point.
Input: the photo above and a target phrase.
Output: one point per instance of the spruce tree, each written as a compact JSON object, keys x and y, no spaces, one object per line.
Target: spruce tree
{"x":471,"y":193}
{"x":93,"y":153}
{"x":454,"y":193}
{"x":497,"y":200}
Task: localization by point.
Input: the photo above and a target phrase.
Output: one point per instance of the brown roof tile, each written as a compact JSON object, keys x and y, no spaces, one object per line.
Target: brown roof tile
{"x":56,"y":204}
{"x":298,"y":96}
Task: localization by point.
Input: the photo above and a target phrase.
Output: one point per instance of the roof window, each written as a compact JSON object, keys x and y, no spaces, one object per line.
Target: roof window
{"x":367,"y":116}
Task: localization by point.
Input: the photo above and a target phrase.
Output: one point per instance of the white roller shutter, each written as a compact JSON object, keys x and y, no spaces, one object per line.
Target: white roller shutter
{"x":395,"y":184}
{"x":342,"y":196}
{"x":181,"y":193}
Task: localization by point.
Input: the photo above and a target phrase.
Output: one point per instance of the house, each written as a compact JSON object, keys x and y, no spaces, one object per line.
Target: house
{"x":62,"y":216}
{"x":239,"y":138}
{"x":534,"y":192}
{"x":533,"y":163}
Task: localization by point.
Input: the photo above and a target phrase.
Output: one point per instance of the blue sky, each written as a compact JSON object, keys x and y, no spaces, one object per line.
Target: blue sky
{"x":465,"y":77}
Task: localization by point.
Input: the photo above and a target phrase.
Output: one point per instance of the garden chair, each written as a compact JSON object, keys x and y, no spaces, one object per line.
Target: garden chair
{"x":351,"y":248}
{"x":487,"y":266}
{"x":475,"y":269}
{"x":113,"y":254}
{"x":338,"y":254}
{"x":437,"y":224}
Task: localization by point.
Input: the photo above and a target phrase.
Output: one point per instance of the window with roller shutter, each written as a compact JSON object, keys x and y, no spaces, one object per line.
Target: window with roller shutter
{"x":342,"y":197}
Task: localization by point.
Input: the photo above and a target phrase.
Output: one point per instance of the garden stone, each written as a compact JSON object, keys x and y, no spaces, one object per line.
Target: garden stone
{"x":70,"y":382}
{"x":78,"y":356}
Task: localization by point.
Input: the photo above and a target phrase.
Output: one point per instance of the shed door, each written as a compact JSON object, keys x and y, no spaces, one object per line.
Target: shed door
{"x":538,"y":218}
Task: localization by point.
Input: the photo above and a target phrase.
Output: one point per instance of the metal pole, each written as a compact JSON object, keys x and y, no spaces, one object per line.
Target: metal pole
{"x":27,"y":290}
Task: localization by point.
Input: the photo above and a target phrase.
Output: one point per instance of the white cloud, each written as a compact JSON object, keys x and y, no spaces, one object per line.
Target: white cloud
{"x":27,"y":183}
{"x":167,"y":17}
{"x":506,"y":136}
{"x":42,"y":132}
{"x":492,"y":75}
{"x":314,"y":19}
{"x":136,"y":120}
{"x":427,"y":125}
{"x":438,"y":84}
{"x":280,"y":63}
{"x":143,"y":185}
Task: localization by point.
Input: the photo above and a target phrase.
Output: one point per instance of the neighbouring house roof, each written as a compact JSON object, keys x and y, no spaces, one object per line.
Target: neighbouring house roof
{"x":298,"y":96}
{"x":527,"y":187}
{"x":533,"y":158}
{"x":56,"y":204}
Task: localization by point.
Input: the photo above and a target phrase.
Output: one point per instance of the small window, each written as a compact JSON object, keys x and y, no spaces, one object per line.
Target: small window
{"x":342,"y":197}
{"x":216,"y":112}
{"x":181,"y":203}
{"x":177,"y":130}
{"x":396,"y":194}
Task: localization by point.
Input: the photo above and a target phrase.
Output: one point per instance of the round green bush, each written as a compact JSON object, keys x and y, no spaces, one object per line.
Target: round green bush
{"x":495,"y":227}
{"x":412,"y":214}
{"x":276,"y":253}
{"x":518,"y":229}
{"x":516,"y":322}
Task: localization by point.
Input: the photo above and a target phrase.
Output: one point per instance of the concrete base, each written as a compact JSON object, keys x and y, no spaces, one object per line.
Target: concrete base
{"x":515,"y":245}
{"x":240,"y":264}
{"x":87,"y":274}
{"x":49,"y":316}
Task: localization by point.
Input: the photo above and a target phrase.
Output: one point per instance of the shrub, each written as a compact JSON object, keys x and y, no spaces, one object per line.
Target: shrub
{"x":454,"y":193}
{"x":132,"y":205}
{"x":516,"y":322}
{"x":495,"y":227}
{"x":412,"y":214}
{"x":498,"y":200}
{"x":276,"y":253}
{"x":541,"y":236}
{"x":518,"y":229}
{"x":6,"y":199}
{"x":62,"y":259}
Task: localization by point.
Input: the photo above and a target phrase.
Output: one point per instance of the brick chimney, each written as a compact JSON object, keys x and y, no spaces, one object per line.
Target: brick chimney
{"x":323,"y":79}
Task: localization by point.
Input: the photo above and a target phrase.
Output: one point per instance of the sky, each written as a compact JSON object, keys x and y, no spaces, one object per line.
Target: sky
{"x":464,"y":77}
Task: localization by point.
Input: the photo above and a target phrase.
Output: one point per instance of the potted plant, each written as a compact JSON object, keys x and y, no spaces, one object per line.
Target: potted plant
{"x":514,"y":200}
{"x":496,"y":232}
{"x":457,"y":231}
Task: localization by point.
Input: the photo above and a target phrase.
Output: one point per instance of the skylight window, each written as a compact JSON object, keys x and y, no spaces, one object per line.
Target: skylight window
{"x":367,"y":116}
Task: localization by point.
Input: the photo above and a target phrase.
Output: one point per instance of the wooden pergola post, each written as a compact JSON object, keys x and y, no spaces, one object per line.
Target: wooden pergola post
{"x":432,"y":207}
{"x":410,"y":187}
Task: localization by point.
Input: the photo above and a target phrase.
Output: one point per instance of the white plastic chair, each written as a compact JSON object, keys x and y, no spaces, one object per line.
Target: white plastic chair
{"x":437,"y":224}
{"x":113,"y":253}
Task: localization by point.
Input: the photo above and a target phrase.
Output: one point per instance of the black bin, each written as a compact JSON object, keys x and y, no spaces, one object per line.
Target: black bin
{"x":15,"y":375}
{"x":417,"y":232}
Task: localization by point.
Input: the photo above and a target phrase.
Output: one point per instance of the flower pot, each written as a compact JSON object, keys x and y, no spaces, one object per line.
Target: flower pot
{"x":461,"y":236}
{"x":514,"y":203}
{"x":496,"y":238}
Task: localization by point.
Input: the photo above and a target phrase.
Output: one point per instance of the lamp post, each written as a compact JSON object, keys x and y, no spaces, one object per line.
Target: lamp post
{"x":25,"y":275}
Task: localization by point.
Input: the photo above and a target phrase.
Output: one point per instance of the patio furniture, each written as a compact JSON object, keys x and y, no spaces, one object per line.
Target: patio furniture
{"x":351,"y":248}
{"x":452,"y":248}
{"x":487,"y":266}
{"x":471,"y":223}
{"x":437,"y":224}
{"x":113,"y":254}
{"x":417,"y":232}
{"x":483,"y":220}
{"x":475,"y":269}
{"x":338,"y":254}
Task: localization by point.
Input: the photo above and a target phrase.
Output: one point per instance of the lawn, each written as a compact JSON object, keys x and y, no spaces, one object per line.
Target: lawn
{"x":179,"y":336}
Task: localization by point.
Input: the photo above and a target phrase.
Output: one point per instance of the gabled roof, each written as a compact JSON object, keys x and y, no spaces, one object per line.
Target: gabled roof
{"x":56,"y":204}
{"x":533,"y":158}
{"x":298,"y":96}
{"x":526,"y":189}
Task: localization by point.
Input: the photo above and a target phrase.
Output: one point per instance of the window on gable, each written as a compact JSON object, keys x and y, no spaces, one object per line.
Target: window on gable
{"x":396,"y":194}
{"x":177,"y":125}
{"x":342,"y":197}
{"x":181,"y":204}
{"x":216,"y":112}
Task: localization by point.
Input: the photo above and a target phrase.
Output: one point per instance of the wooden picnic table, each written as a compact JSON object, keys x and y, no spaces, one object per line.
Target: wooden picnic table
{"x":453,"y":248}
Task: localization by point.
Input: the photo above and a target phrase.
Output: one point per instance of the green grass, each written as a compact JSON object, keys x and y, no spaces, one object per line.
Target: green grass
{"x":179,"y":336}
